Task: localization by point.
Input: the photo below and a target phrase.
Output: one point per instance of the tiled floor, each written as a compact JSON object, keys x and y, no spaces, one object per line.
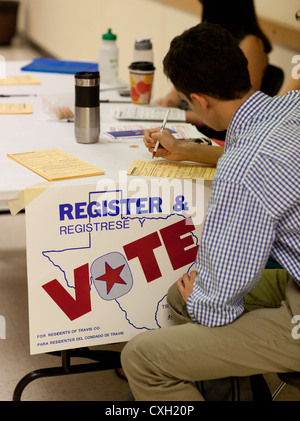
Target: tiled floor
{"x":18,"y":50}
{"x":15,"y":360}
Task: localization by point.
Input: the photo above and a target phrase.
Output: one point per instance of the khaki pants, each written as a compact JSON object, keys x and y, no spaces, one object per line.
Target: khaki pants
{"x":163,"y":364}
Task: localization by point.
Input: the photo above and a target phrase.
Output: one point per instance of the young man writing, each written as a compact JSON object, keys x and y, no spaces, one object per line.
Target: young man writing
{"x":254,"y":212}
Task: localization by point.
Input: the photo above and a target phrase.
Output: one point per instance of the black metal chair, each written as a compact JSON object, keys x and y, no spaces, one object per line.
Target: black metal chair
{"x":292,"y":379}
{"x":272,"y":80}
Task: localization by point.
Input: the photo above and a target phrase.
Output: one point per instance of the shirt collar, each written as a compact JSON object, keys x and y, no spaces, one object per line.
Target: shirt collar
{"x":250,"y":107}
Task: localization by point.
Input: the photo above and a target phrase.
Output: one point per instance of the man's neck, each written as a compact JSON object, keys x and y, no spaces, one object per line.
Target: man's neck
{"x":227,"y":109}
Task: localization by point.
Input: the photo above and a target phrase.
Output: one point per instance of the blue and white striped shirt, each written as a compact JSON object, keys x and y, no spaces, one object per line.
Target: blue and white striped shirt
{"x":254,"y":208}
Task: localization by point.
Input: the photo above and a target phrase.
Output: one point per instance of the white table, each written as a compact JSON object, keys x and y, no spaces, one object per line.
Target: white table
{"x":34,"y":131}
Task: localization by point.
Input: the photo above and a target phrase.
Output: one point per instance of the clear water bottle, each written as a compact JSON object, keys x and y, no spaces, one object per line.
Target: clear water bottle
{"x":143,"y":50}
{"x":109,"y":58}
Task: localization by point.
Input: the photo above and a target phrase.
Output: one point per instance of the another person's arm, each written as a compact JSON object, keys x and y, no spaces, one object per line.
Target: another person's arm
{"x":290,"y":85}
{"x":253,"y":50}
{"x":170,"y":100}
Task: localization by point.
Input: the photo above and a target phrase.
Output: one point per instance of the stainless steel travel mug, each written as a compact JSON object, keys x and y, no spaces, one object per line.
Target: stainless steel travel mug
{"x":87,"y":110}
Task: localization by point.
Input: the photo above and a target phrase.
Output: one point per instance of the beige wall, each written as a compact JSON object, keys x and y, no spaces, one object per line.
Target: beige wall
{"x":72,"y":29}
{"x":279,"y":10}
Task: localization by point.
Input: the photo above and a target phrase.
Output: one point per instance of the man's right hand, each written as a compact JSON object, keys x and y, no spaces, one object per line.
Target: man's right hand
{"x":169,"y":147}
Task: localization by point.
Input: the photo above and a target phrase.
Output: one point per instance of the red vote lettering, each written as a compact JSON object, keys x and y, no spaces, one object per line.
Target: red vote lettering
{"x":79,"y":306}
{"x":143,"y":249}
{"x":180,"y":249}
{"x":176,"y":246}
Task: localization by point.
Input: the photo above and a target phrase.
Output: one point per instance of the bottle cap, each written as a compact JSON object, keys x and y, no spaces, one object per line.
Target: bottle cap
{"x":143,"y":44}
{"x":109,"y":36}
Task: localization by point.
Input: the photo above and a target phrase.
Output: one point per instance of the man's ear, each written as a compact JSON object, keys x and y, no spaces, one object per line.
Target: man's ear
{"x":200,"y":99}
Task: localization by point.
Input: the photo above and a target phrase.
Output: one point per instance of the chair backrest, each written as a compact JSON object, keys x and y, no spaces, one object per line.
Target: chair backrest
{"x":273,"y":264}
{"x":272,"y":80}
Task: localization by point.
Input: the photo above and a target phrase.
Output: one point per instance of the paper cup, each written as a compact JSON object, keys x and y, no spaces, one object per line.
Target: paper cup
{"x":141,"y":80}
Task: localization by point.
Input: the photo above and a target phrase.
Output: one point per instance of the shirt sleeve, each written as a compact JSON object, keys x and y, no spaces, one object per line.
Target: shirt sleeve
{"x":235,"y":245}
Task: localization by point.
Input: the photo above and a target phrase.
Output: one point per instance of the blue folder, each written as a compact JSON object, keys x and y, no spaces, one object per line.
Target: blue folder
{"x":52,"y":65}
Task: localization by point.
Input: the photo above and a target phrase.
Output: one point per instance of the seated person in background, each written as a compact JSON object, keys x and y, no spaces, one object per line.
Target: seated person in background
{"x":253,"y":212}
{"x":239,"y":18}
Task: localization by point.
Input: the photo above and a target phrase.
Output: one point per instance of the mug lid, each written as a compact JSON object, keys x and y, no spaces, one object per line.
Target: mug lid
{"x":141,"y":65}
{"x":87,"y":75}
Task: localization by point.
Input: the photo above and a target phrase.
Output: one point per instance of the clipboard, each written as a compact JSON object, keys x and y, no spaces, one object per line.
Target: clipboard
{"x":51,"y":65}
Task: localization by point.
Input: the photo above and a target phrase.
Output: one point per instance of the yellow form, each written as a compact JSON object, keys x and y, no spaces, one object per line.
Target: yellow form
{"x":9,"y":108}
{"x":171,"y":170}
{"x":55,"y":164}
{"x":19,"y":80}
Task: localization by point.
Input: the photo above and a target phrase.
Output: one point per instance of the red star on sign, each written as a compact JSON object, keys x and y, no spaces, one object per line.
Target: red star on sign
{"x":111,"y":276}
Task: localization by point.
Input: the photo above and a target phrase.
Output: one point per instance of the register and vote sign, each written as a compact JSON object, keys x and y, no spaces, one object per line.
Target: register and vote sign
{"x":101,"y":258}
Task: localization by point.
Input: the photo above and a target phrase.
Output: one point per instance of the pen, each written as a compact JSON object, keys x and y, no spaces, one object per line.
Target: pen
{"x":114,"y":102}
{"x":8,"y":96}
{"x":162,"y":128}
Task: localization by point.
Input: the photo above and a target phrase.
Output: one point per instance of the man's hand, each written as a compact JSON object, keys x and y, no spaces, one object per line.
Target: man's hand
{"x":169,"y":147}
{"x":185,"y":284}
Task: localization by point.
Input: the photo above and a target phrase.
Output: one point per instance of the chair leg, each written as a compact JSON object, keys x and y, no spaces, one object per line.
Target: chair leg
{"x":278,"y":390}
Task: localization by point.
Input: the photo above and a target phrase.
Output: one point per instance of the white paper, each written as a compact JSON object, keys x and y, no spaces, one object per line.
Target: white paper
{"x":183,"y":130}
{"x":145,"y":112}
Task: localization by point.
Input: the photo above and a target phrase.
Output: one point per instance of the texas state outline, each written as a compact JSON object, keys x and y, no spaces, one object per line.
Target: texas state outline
{"x":82,"y":255}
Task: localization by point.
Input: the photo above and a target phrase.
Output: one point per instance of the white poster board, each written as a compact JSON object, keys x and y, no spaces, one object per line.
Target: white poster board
{"x":101,"y":258}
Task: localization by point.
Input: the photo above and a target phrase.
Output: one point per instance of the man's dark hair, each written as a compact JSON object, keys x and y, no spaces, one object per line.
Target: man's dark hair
{"x":206,"y":59}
